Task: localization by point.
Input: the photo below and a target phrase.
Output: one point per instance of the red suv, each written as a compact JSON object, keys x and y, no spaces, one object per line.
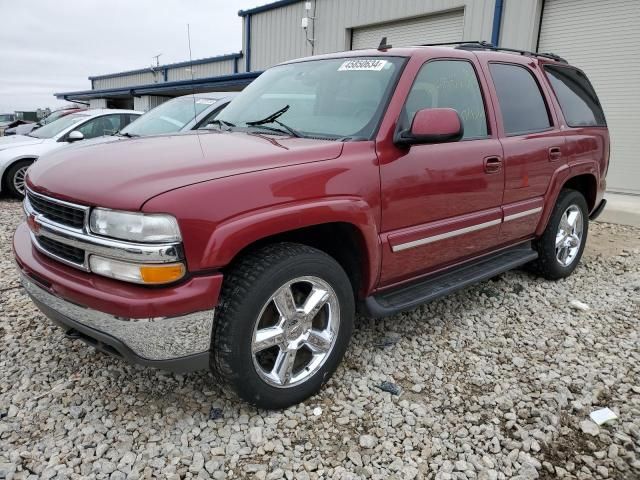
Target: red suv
{"x":373,"y":180}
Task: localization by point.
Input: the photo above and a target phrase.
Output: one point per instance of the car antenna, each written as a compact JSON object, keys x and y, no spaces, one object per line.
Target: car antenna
{"x":193,"y":87}
{"x":384,"y":45}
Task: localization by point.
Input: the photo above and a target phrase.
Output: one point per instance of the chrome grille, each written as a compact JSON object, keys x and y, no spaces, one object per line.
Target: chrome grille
{"x":59,"y":230}
{"x":58,"y":212}
{"x":62,"y":251}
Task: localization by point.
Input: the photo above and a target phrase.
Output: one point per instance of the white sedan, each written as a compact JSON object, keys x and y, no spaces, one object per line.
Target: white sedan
{"x":19,"y":151}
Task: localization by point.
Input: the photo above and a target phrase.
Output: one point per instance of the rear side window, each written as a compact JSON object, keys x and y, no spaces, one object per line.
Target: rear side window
{"x":521,"y":101}
{"x":577,"y":98}
{"x":449,"y":84}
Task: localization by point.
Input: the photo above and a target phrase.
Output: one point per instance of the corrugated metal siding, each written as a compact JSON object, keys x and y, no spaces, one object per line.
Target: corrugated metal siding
{"x":520,"y":23}
{"x":276,"y":34}
{"x":202,"y":70}
{"x":602,"y":38}
{"x":128,"y":80}
{"x":147,"y":102}
{"x":446,"y":27}
{"x":98,"y":103}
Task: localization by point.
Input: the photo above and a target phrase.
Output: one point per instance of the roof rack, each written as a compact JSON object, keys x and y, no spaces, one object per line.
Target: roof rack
{"x":484,"y":45}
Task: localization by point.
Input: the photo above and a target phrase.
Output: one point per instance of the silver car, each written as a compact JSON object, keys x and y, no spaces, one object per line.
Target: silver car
{"x":179,"y":114}
{"x":17,"y":152}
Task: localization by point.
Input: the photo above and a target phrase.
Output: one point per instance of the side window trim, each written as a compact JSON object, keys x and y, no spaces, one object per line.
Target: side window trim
{"x":483,"y":94}
{"x":543,"y":94}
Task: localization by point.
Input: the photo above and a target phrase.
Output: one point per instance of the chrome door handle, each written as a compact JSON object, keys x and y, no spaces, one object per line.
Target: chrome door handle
{"x":492,"y":164}
{"x":555,"y":154}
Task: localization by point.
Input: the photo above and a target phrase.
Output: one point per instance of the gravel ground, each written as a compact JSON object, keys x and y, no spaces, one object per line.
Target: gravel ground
{"x":494,"y":382}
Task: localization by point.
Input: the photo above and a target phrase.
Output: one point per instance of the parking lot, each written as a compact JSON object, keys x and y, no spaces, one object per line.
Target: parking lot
{"x":494,"y":382}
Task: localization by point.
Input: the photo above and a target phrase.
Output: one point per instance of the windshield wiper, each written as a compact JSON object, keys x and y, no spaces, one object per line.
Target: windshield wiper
{"x":273,"y":118}
{"x":126,"y":134}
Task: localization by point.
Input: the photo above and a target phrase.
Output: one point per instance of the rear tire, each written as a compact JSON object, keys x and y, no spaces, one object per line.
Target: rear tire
{"x":561,"y":245}
{"x":283,"y":324}
{"x":15,"y":178}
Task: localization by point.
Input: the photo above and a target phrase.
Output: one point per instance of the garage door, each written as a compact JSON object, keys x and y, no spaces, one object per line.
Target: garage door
{"x":446,"y":27}
{"x":602,"y":38}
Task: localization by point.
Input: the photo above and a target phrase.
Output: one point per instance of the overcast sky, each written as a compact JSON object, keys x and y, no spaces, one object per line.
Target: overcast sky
{"x":49,"y":46}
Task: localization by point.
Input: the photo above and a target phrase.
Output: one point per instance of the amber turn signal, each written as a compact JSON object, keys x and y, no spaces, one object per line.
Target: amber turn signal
{"x":154,"y":274}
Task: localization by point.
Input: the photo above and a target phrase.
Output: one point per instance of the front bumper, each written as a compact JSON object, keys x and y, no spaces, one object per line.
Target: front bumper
{"x":168,"y":327}
{"x":176,"y":344}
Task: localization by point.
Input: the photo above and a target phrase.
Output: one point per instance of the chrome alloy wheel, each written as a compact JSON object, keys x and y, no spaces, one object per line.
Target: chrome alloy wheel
{"x":569,"y":236}
{"x":19,"y":179}
{"x":295,"y":332}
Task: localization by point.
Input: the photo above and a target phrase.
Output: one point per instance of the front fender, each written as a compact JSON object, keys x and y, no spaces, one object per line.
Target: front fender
{"x":220,"y":218}
{"x":237,"y":233}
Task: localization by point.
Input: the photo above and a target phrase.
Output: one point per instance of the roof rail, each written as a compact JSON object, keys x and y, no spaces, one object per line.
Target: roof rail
{"x":482,"y":45}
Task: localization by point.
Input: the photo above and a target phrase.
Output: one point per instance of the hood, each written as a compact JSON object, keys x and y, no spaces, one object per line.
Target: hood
{"x":25,"y":128}
{"x":123,"y":175}
{"x":19,"y":141}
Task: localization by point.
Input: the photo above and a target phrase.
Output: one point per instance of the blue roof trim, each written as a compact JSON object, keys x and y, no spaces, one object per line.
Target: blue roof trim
{"x":219,"y":58}
{"x":223,"y":80}
{"x":268,"y":6}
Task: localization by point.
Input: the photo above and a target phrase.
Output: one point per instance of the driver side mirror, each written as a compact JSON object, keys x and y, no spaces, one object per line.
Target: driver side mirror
{"x":75,"y":136}
{"x":432,"y":125}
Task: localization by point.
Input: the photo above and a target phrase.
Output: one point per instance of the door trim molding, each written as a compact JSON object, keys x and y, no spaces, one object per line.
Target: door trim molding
{"x":515,"y":216}
{"x":453,"y":233}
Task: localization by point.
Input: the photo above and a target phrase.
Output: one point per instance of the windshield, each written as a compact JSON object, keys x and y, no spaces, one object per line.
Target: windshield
{"x":53,"y":116}
{"x":54,"y":128}
{"x":6,"y":118}
{"x":169,"y":117}
{"x":333,"y":98}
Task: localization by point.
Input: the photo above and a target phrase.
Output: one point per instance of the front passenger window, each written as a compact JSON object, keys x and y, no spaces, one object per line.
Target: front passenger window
{"x":101,"y":126}
{"x":449,"y":84}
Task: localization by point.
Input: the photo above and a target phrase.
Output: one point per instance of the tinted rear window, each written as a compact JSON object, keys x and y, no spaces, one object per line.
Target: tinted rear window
{"x":521,"y":102}
{"x":577,"y":98}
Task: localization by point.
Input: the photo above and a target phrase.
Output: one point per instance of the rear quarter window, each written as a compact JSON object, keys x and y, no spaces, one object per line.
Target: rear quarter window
{"x":578,"y":100}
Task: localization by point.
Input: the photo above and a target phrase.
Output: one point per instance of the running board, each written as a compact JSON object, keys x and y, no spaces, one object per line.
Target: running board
{"x":421,"y":291}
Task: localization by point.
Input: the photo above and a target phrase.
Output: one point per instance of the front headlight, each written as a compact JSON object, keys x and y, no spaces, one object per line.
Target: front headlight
{"x":135,"y":227}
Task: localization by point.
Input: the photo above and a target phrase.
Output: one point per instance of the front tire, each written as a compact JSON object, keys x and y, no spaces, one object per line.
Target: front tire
{"x":15,"y":178}
{"x":562,"y":243}
{"x":283,"y":324}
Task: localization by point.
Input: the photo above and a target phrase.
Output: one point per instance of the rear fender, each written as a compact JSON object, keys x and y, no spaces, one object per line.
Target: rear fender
{"x":560,"y":177}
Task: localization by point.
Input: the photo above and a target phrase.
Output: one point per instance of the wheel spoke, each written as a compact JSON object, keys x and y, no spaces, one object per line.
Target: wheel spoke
{"x":314,"y":303}
{"x":267,"y":338}
{"x":284,"y":302}
{"x":283,"y":367}
{"x":572,"y":218}
{"x":319,"y":342}
{"x":574,"y":240}
{"x":560,"y":237}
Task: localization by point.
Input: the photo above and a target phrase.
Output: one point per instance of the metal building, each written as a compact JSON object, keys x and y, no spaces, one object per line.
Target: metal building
{"x":598,"y":36}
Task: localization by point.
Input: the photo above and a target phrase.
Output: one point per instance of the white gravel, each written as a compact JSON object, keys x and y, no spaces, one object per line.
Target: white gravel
{"x":495,"y":382}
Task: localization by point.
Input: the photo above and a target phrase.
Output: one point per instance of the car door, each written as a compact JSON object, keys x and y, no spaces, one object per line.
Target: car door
{"x":441,"y":203}
{"x":533,"y":147}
